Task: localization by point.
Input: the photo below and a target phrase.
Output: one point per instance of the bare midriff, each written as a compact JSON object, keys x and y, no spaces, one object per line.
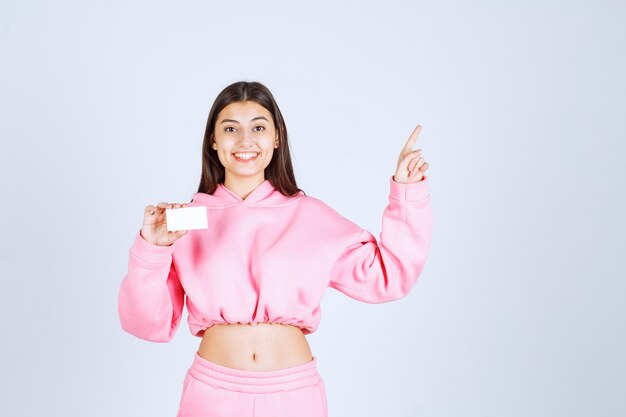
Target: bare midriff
{"x":259,"y":347}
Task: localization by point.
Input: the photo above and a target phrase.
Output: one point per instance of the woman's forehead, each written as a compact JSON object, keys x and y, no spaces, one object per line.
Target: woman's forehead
{"x":244,"y":112}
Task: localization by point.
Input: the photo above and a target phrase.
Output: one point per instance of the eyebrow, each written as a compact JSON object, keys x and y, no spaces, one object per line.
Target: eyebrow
{"x":235,"y":121}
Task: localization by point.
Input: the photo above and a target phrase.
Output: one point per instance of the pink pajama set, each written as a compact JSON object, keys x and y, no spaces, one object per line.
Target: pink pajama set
{"x":269,"y":258}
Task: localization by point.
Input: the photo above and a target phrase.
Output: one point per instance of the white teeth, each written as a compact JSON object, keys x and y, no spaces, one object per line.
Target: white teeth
{"x":245,"y":155}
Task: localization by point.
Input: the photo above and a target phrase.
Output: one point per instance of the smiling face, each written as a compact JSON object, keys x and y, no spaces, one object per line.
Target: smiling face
{"x":245,"y":139}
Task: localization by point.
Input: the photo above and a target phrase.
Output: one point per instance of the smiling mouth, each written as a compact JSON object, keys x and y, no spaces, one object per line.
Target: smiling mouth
{"x":246,"y":156}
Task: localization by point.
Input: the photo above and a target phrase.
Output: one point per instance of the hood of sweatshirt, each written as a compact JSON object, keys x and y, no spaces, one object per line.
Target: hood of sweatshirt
{"x":263,"y":195}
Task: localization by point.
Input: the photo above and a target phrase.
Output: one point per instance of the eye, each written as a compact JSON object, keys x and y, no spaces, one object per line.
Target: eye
{"x":227,"y":129}
{"x":259,"y":128}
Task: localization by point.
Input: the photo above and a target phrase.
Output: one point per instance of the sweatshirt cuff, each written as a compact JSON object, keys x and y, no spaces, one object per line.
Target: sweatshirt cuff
{"x":150,"y":252}
{"x":408,"y":192}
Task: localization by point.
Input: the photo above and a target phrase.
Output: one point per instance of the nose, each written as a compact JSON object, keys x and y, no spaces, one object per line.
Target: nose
{"x":246,"y":138}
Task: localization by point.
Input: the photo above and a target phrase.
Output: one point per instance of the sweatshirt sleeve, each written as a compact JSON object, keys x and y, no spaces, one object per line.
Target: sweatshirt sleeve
{"x":151,"y":297}
{"x":376,"y":272}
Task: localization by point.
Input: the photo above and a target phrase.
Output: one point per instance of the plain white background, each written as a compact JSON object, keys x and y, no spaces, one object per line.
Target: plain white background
{"x":520,"y":309}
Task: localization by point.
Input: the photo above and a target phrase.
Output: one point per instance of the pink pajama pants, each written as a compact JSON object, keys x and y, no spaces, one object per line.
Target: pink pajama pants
{"x":212,"y":390}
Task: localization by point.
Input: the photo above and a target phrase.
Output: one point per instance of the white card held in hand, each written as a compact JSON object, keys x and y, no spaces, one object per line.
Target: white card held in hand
{"x":186,"y":218}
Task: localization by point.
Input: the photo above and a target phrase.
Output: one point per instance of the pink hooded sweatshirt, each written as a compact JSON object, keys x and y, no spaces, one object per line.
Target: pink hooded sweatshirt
{"x":269,"y":258}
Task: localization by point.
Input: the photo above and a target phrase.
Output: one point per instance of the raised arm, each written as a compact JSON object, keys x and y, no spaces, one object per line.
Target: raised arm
{"x":151,"y":297}
{"x":376,"y":272}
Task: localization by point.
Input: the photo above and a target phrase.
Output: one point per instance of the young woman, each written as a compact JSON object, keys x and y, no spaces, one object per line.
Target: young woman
{"x":255,"y":278}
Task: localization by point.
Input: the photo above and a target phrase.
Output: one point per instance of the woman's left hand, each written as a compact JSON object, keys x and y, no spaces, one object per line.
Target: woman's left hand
{"x":411,"y":165}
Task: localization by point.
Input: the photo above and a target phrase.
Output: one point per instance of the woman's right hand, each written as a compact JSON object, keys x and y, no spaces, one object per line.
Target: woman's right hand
{"x":154,"y":229}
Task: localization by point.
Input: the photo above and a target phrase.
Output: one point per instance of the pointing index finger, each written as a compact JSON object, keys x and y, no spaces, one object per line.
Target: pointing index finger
{"x":413,"y":137}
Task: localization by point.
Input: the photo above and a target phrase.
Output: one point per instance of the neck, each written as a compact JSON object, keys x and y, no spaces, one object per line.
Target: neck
{"x":243,"y":186}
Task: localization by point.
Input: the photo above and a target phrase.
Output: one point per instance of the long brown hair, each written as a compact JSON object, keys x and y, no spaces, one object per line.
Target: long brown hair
{"x":279,"y":172}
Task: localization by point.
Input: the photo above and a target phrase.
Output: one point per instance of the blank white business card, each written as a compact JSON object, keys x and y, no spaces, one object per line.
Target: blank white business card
{"x":186,"y":218}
